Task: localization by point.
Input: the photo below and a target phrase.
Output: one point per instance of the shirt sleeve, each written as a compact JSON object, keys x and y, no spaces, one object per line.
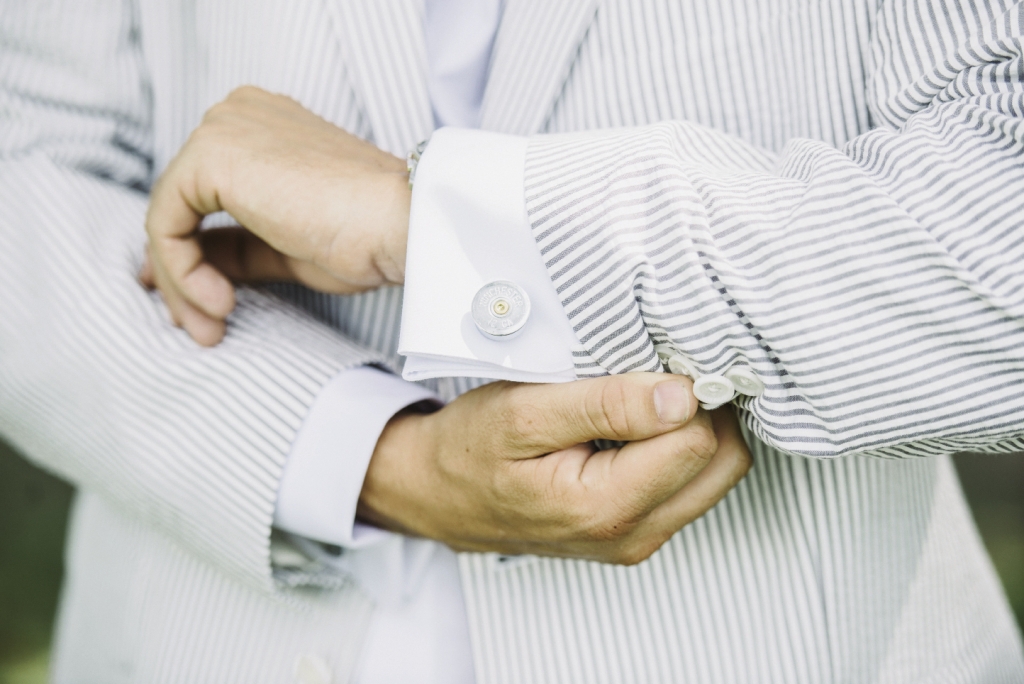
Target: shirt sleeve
{"x":868,"y":298}
{"x":467,"y":227}
{"x":874,"y":289}
{"x":327,"y":465}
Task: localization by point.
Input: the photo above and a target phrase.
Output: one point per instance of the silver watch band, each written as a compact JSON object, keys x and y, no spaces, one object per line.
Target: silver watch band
{"x":413,"y":160}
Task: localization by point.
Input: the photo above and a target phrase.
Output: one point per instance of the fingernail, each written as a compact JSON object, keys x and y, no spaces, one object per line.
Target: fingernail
{"x":671,"y":401}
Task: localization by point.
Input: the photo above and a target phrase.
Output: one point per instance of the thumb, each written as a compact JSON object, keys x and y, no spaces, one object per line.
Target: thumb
{"x":628,"y":407}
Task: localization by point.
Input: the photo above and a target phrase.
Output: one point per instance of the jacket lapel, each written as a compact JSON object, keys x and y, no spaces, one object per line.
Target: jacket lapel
{"x":383,"y":46}
{"x":533,"y":53}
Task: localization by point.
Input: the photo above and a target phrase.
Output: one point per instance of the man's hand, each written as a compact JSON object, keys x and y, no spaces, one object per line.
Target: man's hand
{"x":319,"y":206}
{"x":509,"y":468}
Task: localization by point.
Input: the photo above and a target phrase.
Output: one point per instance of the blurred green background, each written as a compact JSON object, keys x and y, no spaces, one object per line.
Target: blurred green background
{"x":33,"y":512}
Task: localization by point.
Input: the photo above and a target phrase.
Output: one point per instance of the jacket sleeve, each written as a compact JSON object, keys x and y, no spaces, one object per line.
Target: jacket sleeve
{"x":877,"y":290}
{"x":95,"y":384}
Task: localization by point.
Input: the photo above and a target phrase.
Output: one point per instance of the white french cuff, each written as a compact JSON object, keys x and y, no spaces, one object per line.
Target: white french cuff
{"x":468,"y":231}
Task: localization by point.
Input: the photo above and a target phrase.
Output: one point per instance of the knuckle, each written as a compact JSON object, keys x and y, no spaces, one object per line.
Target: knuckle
{"x":636,"y":551}
{"x":215,"y":113}
{"x":243,"y":93}
{"x":631,"y":555}
{"x":741,"y":463}
{"x":523,"y":423}
{"x":607,"y":410}
{"x":507,"y":479}
{"x":235,"y":103}
{"x":744,"y":463}
{"x":702,"y":442}
{"x":572,"y":522}
{"x":204,"y":139}
{"x":209,"y":171}
{"x":605,"y":527}
{"x":242,"y":90}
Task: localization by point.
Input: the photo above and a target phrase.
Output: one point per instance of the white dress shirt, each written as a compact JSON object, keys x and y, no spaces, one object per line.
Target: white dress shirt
{"x":419,"y":631}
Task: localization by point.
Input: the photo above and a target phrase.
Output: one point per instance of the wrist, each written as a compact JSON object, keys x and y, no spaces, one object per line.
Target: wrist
{"x":390,"y":258}
{"x":393,"y":490}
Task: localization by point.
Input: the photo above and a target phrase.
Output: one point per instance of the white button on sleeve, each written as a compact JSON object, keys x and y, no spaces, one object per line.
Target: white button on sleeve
{"x":713,"y":390}
{"x":745,"y":380}
{"x":665,"y":352}
{"x":680,"y":365}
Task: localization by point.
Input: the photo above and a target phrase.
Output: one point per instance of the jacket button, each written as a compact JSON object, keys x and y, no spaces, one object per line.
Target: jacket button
{"x":312,"y":669}
{"x":713,"y":389}
{"x":745,"y":381}
{"x":500,"y":309}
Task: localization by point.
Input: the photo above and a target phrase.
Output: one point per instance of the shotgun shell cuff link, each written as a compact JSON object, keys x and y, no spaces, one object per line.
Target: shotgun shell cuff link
{"x":500,"y":309}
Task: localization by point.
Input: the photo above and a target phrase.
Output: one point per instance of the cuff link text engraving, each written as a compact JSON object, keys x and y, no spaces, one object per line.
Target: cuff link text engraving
{"x":500,"y":309}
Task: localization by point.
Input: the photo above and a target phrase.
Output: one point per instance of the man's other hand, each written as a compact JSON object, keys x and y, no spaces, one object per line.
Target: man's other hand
{"x":510,"y":468}
{"x":318,"y":205}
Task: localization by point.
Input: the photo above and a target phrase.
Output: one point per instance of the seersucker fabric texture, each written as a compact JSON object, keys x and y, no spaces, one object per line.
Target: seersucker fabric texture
{"x":828,"y":191}
{"x":863,"y":257}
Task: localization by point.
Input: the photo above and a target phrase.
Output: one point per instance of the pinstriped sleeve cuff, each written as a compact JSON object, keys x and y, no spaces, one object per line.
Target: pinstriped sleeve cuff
{"x":612,"y":215}
{"x":816,"y":279}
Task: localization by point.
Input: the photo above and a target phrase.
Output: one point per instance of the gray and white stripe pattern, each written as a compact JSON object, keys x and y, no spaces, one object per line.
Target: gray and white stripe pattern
{"x":871,"y":276}
{"x":807,"y":572}
{"x":779,"y":219}
{"x":855,"y":569}
{"x":91,"y":377}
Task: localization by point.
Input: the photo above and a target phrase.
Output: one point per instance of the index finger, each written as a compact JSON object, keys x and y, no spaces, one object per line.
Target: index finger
{"x":726,"y":468}
{"x":175,"y":211}
{"x":640,"y":476}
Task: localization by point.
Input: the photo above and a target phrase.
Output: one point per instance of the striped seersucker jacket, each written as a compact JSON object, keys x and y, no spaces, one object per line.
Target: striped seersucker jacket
{"x":830,"y":192}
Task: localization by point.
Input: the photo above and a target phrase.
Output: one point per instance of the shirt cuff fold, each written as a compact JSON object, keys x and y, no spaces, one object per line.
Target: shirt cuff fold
{"x":467,"y":228}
